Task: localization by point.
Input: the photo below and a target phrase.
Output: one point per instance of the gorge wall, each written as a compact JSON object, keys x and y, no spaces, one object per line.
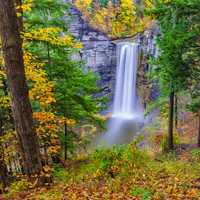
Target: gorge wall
{"x":99,"y":53}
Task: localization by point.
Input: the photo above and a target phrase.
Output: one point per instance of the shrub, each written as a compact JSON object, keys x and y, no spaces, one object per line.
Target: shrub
{"x":61,"y":174}
{"x":196,"y":154}
{"x":18,"y":187}
{"x":51,"y":194}
{"x":164,"y":143}
{"x":141,"y":192}
{"x":161,"y":141}
{"x":112,"y":160}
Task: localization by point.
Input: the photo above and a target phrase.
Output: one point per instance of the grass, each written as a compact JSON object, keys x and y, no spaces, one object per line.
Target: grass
{"x":121,"y":172}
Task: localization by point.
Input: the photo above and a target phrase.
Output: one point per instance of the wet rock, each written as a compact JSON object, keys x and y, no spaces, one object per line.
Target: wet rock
{"x":99,"y":53}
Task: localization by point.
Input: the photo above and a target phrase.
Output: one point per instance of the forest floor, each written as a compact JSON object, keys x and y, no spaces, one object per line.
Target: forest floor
{"x":127,"y":173}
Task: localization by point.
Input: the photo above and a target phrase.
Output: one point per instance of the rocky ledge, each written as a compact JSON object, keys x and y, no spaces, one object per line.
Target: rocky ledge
{"x":99,"y":53}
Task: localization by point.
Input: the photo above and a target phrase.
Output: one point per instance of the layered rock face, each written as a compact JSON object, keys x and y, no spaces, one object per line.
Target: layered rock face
{"x":147,"y":89}
{"x":99,"y":53}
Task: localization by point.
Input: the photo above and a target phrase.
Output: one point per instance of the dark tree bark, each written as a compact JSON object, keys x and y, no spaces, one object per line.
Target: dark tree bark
{"x":4,"y":180}
{"x":176,"y":111}
{"x":21,"y":108}
{"x":65,"y":143}
{"x":171,"y":120}
{"x":198,"y":142}
{"x":3,"y":168}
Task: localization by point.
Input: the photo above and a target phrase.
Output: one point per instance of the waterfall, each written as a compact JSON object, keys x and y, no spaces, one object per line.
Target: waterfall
{"x":125,"y":99}
{"x":127,"y":116}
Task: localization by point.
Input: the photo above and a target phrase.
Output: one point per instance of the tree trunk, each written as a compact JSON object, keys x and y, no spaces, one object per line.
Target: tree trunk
{"x":171,"y":120}
{"x":4,"y":180}
{"x":3,"y":175}
{"x":65,"y":143}
{"x":199,"y":131}
{"x":176,"y":111}
{"x":3,"y":167}
{"x":21,"y":108}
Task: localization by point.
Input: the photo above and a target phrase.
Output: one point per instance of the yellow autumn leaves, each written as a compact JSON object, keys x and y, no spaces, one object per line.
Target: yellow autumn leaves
{"x":25,"y":7}
{"x":41,"y":89}
{"x":115,"y":20}
{"x":52,"y":35}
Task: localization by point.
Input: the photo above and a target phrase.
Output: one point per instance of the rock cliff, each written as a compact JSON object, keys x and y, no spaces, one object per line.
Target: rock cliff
{"x":99,"y":53}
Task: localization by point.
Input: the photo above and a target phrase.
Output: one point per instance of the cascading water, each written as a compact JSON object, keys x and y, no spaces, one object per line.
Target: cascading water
{"x":125,"y":99}
{"x":127,"y":115}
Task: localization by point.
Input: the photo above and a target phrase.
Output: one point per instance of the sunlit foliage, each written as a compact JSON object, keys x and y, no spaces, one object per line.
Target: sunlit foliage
{"x":60,"y":90}
{"x":125,"y":18}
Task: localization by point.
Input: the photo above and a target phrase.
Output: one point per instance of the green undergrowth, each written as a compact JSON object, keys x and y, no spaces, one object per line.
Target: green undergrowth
{"x":124,"y":170}
{"x":143,"y":175}
{"x":143,"y":193}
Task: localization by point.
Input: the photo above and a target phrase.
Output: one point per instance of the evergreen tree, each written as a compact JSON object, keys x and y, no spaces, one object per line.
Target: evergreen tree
{"x":75,"y":86}
{"x":176,"y":21}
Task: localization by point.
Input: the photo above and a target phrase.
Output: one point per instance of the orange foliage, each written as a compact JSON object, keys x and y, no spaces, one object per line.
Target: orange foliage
{"x":48,"y":128}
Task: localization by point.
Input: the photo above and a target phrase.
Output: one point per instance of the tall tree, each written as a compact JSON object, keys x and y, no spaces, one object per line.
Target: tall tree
{"x":21,"y":108}
{"x":74,"y":85}
{"x":174,"y":19}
